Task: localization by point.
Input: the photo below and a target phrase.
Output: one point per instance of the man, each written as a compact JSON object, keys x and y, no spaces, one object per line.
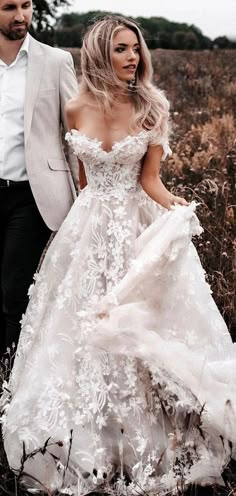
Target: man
{"x":36,"y":187}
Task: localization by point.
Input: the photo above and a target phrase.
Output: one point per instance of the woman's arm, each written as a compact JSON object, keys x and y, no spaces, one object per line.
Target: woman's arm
{"x":72,"y":109}
{"x":82,"y":175}
{"x":151,"y":181}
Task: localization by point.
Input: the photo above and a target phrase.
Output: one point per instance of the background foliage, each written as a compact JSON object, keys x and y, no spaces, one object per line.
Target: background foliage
{"x":66,"y":29}
{"x":45,"y":12}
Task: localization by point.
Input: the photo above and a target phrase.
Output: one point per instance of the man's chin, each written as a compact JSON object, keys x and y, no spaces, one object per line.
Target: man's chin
{"x":15,"y":34}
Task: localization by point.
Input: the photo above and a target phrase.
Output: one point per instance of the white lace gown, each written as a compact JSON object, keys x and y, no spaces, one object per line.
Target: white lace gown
{"x":124,"y":360}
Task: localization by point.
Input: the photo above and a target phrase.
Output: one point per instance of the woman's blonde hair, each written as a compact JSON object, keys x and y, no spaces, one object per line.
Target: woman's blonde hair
{"x":99,"y":77}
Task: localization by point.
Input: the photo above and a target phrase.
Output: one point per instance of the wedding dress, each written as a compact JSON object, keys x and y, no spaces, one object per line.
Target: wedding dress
{"x":124,"y":379}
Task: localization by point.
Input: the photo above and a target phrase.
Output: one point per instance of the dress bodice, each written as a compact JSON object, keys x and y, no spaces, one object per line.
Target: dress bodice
{"x":118,"y":168}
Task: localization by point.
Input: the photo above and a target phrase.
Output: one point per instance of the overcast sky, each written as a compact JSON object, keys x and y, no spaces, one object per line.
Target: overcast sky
{"x":213,"y":17}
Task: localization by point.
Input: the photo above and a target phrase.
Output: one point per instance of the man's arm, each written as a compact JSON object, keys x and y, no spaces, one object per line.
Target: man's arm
{"x":69,"y":88}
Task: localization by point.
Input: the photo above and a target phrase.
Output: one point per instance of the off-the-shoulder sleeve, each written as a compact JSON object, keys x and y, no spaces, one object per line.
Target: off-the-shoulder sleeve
{"x":72,"y":139}
{"x":162,"y":139}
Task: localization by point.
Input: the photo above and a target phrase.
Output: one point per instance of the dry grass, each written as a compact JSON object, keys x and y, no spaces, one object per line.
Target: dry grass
{"x":201,"y":89}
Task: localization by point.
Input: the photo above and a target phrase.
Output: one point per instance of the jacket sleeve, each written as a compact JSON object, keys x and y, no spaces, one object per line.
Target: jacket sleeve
{"x":68,"y":89}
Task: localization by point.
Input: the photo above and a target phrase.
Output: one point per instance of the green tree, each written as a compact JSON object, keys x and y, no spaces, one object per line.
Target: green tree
{"x":69,"y":37}
{"x":68,"y":20}
{"x":221,"y":42}
{"x":69,"y":28}
{"x":165,"y":39}
{"x":45,"y":12}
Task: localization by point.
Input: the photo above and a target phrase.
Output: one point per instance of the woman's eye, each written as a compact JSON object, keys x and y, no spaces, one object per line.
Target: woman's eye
{"x":122,"y":49}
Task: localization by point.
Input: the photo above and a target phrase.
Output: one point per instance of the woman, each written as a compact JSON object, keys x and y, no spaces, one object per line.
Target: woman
{"x":122,"y":348}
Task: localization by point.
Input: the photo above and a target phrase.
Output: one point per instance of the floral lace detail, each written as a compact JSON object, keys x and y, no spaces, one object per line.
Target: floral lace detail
{"x":115,"y":172}
{"x":118,"y":331}
{"x":118,"y":170}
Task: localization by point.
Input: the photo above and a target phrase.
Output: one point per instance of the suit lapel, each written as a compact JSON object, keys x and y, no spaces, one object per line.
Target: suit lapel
{"x":34,"y":74}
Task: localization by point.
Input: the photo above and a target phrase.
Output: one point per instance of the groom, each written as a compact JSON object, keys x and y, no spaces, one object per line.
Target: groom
{"x":36,"y":185}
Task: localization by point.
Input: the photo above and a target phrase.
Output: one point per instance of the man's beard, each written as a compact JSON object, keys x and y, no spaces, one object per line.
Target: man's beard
{"x":15,"y":34}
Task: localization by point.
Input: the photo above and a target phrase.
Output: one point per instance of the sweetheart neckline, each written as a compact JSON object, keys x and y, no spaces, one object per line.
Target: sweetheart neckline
{"x":100,"y":143}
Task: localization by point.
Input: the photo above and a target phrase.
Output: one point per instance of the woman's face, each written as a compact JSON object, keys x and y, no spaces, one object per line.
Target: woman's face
{"x":125,"y":54}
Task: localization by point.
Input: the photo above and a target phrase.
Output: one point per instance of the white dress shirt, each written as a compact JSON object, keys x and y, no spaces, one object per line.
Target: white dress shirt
{"x":12,"y":98}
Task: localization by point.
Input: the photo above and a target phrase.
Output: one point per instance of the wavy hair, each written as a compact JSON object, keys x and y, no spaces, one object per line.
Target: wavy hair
{"x":99,"y":77}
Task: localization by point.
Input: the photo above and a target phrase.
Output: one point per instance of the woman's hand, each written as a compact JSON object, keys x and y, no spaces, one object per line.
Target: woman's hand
{"x":175,"y":200}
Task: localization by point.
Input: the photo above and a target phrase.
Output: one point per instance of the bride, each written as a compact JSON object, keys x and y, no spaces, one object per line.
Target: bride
{"x":124,"y":377}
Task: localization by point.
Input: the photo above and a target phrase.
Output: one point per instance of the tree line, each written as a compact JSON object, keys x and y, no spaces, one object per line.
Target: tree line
{"x":67,"y":29}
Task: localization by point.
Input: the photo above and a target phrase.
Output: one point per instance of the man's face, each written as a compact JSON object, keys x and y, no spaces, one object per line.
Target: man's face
{"x":15,"y":18}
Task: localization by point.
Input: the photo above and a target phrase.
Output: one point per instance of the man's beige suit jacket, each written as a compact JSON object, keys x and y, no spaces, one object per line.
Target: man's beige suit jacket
{"x":51,"y":82}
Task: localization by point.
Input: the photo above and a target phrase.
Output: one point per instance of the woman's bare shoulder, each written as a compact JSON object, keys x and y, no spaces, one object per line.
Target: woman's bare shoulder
{"x":80,"y":101}
{"x":75,"y":107}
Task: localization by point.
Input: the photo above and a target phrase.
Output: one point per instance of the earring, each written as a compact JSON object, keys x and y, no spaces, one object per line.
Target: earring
{"x":131,"y":84}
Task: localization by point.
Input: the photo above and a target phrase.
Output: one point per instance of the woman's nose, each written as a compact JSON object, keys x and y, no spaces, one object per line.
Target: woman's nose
{"x":131,"y":55}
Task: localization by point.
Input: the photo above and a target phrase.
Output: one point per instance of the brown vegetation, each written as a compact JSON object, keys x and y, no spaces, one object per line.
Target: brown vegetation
{"x":201,"y":87}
